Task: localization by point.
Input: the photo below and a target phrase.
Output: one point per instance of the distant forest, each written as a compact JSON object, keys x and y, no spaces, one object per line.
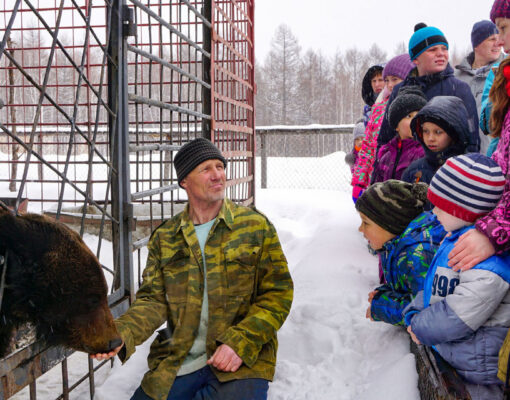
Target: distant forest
{"x":296,"y":88}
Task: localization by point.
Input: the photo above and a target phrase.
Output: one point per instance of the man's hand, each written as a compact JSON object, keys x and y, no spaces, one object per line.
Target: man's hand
{"x":371,"y":295}
{"x":413,"y":336}
{"x":225,"y":359}
{"x":107,"y":356}
{"x":470,"y":249}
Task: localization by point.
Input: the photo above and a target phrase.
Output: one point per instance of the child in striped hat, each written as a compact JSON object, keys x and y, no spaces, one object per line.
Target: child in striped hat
{"x":465,"y":315}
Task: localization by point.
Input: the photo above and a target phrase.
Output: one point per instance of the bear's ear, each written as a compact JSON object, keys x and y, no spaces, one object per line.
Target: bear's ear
{"x":21,"y":236}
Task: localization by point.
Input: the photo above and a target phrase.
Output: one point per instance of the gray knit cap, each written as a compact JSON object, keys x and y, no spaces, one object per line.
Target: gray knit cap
{"x":358,"y":131}
{"x":194,"y":153}
{"x":393,"y":204}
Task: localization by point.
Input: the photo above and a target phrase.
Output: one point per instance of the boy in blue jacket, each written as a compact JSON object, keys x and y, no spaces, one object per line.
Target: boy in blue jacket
{"x":465,"y":315}
{"x":405,"y":238}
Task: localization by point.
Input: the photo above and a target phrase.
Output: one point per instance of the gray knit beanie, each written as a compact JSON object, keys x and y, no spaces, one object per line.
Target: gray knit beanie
{"x":393,"y":204}
{"x":358,"y":131}
{"x":194,"y":153}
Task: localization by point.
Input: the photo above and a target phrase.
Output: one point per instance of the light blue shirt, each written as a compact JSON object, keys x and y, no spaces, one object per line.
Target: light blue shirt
{"x":197,"y":356}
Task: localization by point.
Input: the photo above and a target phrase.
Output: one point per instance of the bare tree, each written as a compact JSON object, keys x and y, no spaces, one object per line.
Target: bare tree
{"x":400,"y":48}
{"x":376,"y":55}
{"x":281,"y":69}
{"x":339,"y":88}
{"x":314,"y":96}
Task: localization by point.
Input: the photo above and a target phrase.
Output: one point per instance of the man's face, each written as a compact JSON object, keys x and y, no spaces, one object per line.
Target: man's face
{"x":432,"y":60}
{"x":489,"y":50}
{"x":503,"y":25}
{"x":206,"y":183}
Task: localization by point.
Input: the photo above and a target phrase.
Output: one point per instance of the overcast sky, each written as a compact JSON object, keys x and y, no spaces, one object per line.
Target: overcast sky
{"x":328,"y":25}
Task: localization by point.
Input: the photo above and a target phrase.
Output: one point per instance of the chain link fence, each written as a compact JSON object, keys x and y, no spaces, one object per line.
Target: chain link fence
{"x":303,"y":157}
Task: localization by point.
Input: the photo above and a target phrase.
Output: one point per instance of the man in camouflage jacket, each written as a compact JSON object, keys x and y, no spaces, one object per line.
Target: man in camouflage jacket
{"x":248,"y":285}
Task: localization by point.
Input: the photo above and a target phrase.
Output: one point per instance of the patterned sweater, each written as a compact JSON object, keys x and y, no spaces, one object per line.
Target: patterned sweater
{"x":405,"y":261}
{"x":496,"y":224}
{"x":366,"y":156}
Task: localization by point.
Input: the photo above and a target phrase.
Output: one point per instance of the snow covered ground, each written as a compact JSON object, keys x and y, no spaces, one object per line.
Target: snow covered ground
{"x":327,"y":348}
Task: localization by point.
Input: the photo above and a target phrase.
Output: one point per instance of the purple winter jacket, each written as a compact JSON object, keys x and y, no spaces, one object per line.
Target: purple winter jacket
{"x":394,"y":157}
{"x":496,"y":224}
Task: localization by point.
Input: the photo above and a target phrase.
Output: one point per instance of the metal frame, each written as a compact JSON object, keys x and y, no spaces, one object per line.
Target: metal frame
{"x":114,"y":88}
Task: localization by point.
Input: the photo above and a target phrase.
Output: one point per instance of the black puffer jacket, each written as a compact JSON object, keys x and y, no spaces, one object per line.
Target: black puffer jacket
{"x":450,"y":114}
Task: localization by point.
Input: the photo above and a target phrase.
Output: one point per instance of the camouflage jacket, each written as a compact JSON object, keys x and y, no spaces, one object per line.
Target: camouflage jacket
{"x":249,"y":287}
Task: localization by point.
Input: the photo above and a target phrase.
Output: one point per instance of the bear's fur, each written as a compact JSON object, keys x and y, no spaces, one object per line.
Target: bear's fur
{"x":54,"y":282}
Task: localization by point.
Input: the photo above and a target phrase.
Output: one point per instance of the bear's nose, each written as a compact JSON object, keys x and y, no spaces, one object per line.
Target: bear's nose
{"x":112,"y":344}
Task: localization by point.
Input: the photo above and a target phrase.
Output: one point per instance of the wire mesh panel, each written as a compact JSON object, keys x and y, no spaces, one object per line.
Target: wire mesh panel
{"x":166,"y":85}
{"x":55,"y":147}
{"x":304,"y":157}
{"x":232,"y":81}
{"x":96,"y":97}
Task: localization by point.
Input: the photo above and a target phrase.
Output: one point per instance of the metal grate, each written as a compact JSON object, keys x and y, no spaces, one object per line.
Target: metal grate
{"x":97,"y":97}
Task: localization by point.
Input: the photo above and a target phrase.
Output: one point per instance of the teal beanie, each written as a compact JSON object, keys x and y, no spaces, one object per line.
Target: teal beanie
{"x":423,"y":38}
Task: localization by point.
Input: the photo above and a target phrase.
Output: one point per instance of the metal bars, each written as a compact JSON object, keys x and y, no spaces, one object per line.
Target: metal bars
{"x":99,"y":95}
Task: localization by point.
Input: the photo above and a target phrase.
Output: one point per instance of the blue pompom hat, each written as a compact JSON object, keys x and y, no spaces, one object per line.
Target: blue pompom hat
{"x":424,"y":38}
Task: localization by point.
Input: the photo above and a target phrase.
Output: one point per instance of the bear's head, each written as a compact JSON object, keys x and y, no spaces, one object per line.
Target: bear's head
{"x":54,"y":282}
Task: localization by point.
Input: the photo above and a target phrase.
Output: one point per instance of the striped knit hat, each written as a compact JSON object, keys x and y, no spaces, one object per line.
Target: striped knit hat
{"x":467,"y":186}
{"x":193,"y":153}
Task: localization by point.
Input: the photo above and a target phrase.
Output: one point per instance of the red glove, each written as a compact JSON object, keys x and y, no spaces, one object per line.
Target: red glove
{"x":357,"y":191}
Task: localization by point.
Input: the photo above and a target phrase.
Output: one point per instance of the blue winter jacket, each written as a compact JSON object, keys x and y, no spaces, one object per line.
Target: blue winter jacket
{"x":405,"y":261}
{"x":486,"y":104}
{"x":449,"y":113}
{"x":442,"y":83}
{"x":464,"y":315}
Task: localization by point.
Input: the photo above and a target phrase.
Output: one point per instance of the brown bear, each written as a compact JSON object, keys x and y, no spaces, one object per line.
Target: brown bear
{"x":54,"y":282}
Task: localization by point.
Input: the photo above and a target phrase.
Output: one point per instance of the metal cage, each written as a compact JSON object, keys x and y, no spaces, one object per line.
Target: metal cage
{"x":96,"y":96}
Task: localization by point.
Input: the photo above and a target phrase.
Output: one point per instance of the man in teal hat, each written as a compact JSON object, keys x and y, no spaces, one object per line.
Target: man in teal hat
{"x":428,"y":49}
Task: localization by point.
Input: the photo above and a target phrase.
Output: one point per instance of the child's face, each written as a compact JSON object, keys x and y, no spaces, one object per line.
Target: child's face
{"x":375,"y":235}
{"x":377,"y":83}
{"x":434,"y":137}
{"x":449,"y":222}
{"x":404,"y":126}
{"x":432,"y":60}
{"x":358,"y":142}
{"x":391,"y":81}
{"x":503,"y":25}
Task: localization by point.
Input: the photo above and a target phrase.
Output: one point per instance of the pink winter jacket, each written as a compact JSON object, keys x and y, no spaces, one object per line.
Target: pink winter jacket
{"x":366,"y":156}
{"x":496,"y":224}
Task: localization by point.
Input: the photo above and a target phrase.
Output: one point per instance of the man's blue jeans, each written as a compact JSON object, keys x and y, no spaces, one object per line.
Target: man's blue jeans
{"x":203,"y":385}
